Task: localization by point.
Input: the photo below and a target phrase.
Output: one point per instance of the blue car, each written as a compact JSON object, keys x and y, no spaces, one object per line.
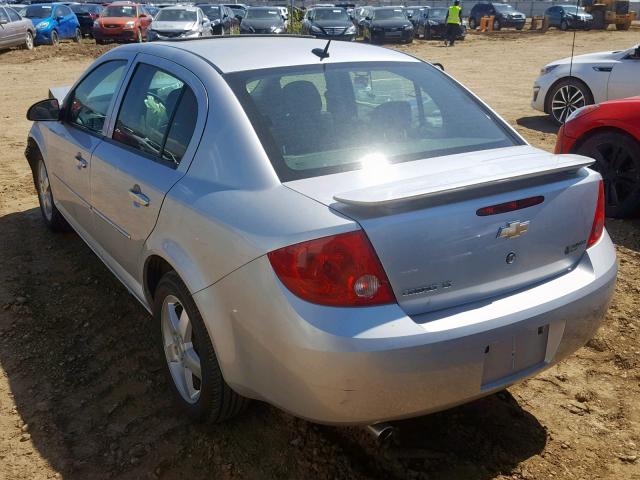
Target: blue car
{"x":53,"y":22}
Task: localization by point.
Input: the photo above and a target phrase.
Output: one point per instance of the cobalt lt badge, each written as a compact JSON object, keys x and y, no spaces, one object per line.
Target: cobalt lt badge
{"x":513,"y":229}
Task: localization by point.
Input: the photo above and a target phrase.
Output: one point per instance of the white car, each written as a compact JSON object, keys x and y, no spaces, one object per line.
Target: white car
{"x":562,"y":88}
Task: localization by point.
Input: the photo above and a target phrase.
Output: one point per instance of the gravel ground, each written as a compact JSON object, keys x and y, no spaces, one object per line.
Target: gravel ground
{"x":81,"y":390}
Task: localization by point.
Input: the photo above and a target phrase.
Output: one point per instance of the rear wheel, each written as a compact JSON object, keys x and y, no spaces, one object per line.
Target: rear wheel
{"x":617,"y":157}
{"x":78,"y":36}
{"x":55,"y":41}
{"x":566,"y":97}
{"x":192,"y":366}
{"x":28,"y":41}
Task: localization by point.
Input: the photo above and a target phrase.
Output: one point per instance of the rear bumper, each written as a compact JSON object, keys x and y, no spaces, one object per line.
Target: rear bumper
{"x":361,"y":366}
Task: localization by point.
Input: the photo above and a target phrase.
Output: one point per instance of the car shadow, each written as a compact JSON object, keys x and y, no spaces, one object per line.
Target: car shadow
{"x":625,"y":232}
{"x":540,"y":123}
{"x":88,"y":382}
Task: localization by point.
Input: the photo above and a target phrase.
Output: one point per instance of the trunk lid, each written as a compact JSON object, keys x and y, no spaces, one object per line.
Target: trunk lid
{"x":437,"y":251}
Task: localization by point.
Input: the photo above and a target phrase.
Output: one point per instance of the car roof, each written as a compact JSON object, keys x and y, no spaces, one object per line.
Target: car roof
{"x":241,"y":53}
{"x":192,"y":8}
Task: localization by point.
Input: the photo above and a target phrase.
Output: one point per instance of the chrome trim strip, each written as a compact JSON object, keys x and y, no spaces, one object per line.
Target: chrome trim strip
{"x":106,"y":219}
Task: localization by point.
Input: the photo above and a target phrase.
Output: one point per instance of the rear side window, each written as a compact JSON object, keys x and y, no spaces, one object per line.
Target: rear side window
{"x":90,"y":100}
{"x":157,"y":116}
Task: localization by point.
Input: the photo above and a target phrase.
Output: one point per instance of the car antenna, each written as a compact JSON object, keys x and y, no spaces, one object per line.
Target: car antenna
{"x":573,"y":47}
{"x":322,"y":53}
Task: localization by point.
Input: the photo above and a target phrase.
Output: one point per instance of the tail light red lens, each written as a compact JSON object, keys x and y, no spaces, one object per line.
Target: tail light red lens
{"x":598,"y":219}
{"x":341,"y":271}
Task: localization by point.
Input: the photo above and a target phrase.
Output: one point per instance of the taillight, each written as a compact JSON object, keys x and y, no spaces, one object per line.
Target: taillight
{"x":341,"y":271}
{"x":598,"y":219}
{"x":510,"y":206}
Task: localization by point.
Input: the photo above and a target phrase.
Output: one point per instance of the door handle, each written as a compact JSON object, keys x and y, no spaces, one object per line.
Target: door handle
{"x":138,"y":197}
{"x":82,"y":163}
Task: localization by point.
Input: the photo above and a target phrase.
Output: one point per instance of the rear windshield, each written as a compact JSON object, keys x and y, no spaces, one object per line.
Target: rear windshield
{"x":263,"y":13}
{"x":389,"y":13}
{"x":119,"y":11}
{"x":321,"y":119}
{"x":331,"y":14}
{"x":37,"y":11}
{"x":176,"y":16}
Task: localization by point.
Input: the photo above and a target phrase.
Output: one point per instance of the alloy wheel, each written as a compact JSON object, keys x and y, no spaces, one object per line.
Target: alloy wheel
{"x":179,"y":350}
{"x":28,"y":41}
{"x":44,"y":191}
{"x":620,"y":171}
{"x":54,"y":38}
{"x":565,"y":101}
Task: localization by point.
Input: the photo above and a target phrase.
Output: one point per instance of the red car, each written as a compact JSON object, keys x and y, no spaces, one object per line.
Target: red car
{"x":609,"y":133}
{"x":122,"y":22}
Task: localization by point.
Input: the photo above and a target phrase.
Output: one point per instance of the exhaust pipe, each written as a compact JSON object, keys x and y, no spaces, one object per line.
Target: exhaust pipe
{"x":382,"y":432}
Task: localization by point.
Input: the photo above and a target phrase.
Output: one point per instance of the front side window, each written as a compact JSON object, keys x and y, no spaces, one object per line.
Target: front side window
{"x":13,"y":16}
{"x":322,"y":119}
{"x":212,"y":12}
{"x":156,"y":111}
{"x":90,"y":100}
{"x":3,"y":16}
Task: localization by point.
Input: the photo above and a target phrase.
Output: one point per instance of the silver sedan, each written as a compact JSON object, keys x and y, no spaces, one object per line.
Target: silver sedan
{"x":340,"y":230}
{"x":15,"y":31}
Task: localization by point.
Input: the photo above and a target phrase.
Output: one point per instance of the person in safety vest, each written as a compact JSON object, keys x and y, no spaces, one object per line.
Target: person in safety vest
{"x":454,"y":20}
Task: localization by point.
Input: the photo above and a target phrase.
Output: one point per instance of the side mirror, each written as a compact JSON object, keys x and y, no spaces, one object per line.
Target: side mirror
{"x":44,"y":111}
{"x":3,"y":21}
{"x":60,"y":17}
{"x":368,"y":19}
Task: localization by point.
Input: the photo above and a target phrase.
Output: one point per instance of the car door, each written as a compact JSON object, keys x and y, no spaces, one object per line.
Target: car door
{"x":71,"y":141}
{"x":17,"y":28}
{"x":624,"y":79}
{"x":154,"y":135}
{"x":6,"y":30}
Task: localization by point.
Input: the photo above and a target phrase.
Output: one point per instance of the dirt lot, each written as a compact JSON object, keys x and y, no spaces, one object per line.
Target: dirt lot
{"x":81,"y":390}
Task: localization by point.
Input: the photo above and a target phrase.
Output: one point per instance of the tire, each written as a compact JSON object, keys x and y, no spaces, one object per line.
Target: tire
{"x":99,"y":42}
{"x":496,"y":25}
{"x":564,"y":26}
{"x":556,"y":103}
{"x":472,"y":23}
{"x":55,"y":41}
{"x":78,"y":36}
{"x":52,"y":217}
{"x":28,"y":41}
{"x":617,"y":157}
{"x":207,"y":399}
{"x":520,"y":27}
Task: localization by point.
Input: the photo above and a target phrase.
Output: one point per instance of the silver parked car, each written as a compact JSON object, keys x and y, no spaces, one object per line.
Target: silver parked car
{"x":180,"y":21}
{"x":348,"y":234}
{"x":15,"y":31}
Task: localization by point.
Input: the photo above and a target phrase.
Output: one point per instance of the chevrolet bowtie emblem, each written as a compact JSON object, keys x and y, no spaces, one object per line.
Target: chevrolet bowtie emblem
{"x":513,"y":229}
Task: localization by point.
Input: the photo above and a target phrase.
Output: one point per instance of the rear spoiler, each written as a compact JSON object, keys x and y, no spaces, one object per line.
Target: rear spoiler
{"x":482,"y":175}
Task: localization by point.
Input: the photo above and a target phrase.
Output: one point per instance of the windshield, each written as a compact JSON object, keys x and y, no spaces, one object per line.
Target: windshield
{"x":321,"y":119}
{"x":211,"y":11}
{"x":331,"y":14}
{"x":573,"y":9}
{"x":119,"y":11}
{"x":265,"y":13}
{"x":502,"y":7}
{"x":238,"y":11}
{"x":37,"y":11}
{"x":176,"y":16}
{"x":438,"y":13}
{"x":389,"y":13}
